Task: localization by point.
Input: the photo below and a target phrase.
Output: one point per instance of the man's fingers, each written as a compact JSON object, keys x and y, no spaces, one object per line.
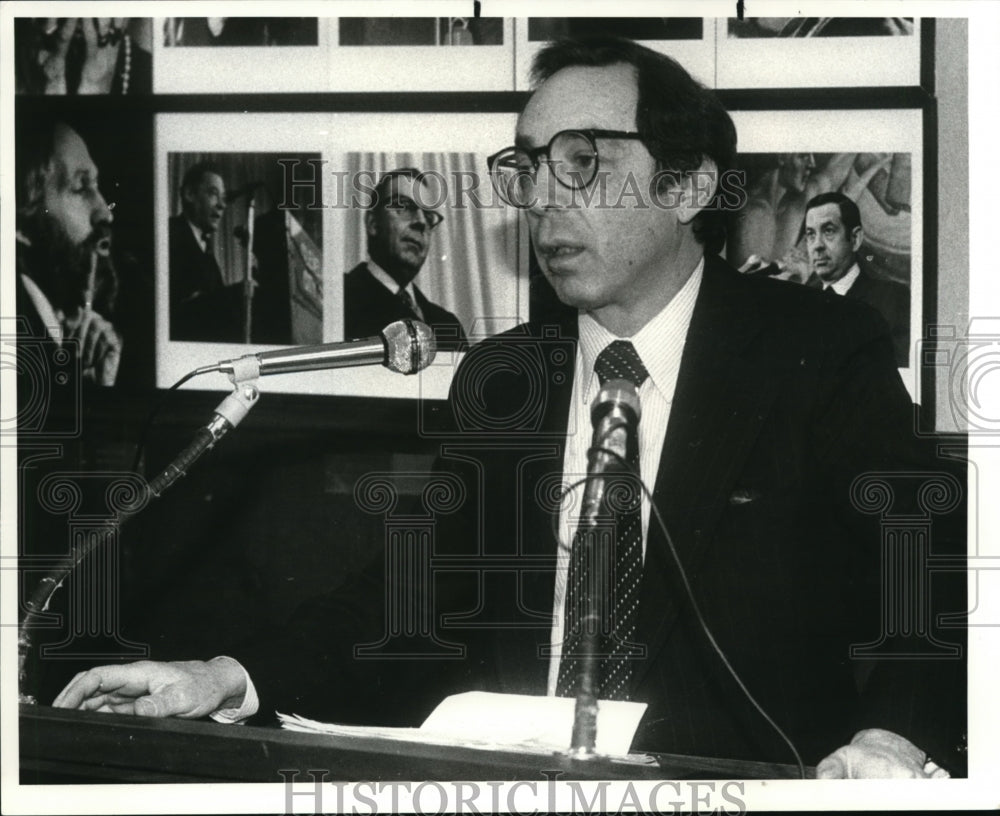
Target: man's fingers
{"x":89,"y":33}
{"x":864,"y":762}
{"x":119,"y":682}
{"x":833,"y":767}
{"x":65,"y":35}
{"x":175,"y":700}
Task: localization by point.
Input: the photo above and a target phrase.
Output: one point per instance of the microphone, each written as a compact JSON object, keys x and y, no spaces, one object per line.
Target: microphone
{"x":615,"y":414}
{"x":406,"y":347}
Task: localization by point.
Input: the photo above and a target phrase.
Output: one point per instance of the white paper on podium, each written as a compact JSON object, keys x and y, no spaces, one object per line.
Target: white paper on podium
{"x":480,"y":719}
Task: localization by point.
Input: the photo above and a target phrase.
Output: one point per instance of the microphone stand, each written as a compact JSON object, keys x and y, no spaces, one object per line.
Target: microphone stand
{"x":594,"y":543}
{"x":248,"y":272}
{"x":230,"y":412}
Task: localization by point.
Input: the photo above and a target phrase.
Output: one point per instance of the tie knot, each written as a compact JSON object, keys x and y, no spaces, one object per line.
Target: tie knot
{"x":620,"y":361}
{"x":406,"y":300}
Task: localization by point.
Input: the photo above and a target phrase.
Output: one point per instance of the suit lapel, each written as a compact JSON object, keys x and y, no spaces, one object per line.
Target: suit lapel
{"x":521,"y":666}
{"x":719,"y":405}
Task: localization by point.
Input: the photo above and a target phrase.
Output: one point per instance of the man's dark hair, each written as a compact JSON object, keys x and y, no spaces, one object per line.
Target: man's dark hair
{"x":681,"y":122}
{"x":195,"y":173}
{"x":380,"y":195}
{"x":34,"y":151}
{"x":849,"y":212}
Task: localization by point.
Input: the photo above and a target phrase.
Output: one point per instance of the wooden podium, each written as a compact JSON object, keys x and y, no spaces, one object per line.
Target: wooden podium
{"x":59,"y":746}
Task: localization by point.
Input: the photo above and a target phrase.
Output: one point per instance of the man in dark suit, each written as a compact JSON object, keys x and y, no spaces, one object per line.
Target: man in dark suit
{"x":380,"y":290}
{"x":761,"y":403}
{"x":202,"y":306}
{"x":833,"y":237}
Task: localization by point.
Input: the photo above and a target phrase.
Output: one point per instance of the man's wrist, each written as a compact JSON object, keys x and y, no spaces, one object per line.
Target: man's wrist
{"x":232,"y":680}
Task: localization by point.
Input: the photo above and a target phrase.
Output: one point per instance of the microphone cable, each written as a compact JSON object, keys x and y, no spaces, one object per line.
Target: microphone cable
{"x":155,"y":410}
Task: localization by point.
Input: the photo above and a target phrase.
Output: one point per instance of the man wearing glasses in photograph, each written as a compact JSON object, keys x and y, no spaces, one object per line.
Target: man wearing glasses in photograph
{"x":380,"y":289}
{"x":761,"y":403}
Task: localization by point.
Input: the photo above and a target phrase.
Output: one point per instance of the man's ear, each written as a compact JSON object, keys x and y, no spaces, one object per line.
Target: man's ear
{"x":857,"y":236}
{"x":696,"y":190}
{"x":370,"y":228}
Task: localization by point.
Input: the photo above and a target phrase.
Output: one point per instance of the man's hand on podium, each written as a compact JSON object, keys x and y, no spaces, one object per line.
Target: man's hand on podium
{"x":878,"y":754}
{"x":188,"y":689}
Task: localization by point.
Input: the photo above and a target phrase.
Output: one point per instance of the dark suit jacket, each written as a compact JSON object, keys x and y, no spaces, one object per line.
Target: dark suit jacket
{"x":369,"y":307}
{"x":892,"y":301}
{"x":784,"y":397}
{"x":201,"y":308}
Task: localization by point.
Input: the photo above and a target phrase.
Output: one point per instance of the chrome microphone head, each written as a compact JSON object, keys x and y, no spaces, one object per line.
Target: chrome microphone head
{"x":409,"y":346}
{"x":615,"y":395}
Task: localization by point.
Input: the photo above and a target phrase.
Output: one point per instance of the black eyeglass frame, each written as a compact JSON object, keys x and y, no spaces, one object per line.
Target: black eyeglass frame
{"x":535,"y":154}
{"x":432,"y":217}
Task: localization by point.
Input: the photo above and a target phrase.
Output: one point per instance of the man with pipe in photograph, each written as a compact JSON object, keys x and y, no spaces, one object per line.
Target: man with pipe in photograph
{"x":380,"y":289}
{"x":834,"y":233}
{"x":66,"y":282}
{"x":761,"y":404}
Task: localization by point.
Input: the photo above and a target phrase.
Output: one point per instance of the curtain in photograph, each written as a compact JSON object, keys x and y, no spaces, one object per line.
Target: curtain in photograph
{"x":471,"y":267}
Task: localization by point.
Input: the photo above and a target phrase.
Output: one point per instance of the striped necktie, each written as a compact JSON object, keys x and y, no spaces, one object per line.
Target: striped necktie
{"x":619,"y":360}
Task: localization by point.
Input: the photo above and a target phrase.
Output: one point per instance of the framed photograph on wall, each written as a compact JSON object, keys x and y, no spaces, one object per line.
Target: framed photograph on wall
{"x":421,"y":54}
{"x":689,"y":40}
{"x":298,"y":190}
{"x":875,"y":159}
{"x":240,"y":54}
{"x":823,"y":52}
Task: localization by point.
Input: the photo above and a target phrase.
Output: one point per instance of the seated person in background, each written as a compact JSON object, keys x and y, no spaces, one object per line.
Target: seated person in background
{"x":202,"y":306}
{"x":834,"y":235}
{"x":751,"y":436}
{"x":380,"y":290}
{"x":66,"y":280}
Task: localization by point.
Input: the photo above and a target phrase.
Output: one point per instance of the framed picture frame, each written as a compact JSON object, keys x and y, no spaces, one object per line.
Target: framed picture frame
{"x":240,"y":54}
{"x":315,"y":173}
{"x":800,"y":52}
{"x":421,"y":54}
{"x":689,"y":40}
{"x":874,"y":157}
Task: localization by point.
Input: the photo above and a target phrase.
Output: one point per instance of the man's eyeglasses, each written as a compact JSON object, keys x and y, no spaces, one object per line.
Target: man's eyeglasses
{"x":407,"y":209}
{"x":571,"y":155}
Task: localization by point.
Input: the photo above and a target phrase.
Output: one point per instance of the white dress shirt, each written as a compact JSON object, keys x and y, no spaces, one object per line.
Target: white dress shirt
{"x":386,"y":280}
{"x":843,"y":284}
{"x":199,"y":235}
{"x":659,"y":344}
{"x":51,"y":319}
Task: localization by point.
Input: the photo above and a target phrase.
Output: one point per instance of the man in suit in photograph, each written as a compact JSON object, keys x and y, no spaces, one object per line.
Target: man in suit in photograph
{"x":762,"y":403}
{"x":202,"y":306}
{"x":834,"y":235}
{"x":380,"y":289}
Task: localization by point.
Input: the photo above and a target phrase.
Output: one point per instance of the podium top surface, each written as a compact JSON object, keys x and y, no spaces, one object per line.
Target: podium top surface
{"x":76,"y":746}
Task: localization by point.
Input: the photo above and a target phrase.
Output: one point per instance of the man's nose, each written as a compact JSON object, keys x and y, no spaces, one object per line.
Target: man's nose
{"x":549,"y":193}
{"x":418,"y":221}
{"x":102,"y":212}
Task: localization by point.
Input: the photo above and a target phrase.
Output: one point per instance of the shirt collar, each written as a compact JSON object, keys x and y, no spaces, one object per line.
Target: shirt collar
{"x":47,"y":314}
{"x":199,"y":234}
{"x":386,"y":280}
{"x":842,"y":286}
{"x":659,"y":343}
